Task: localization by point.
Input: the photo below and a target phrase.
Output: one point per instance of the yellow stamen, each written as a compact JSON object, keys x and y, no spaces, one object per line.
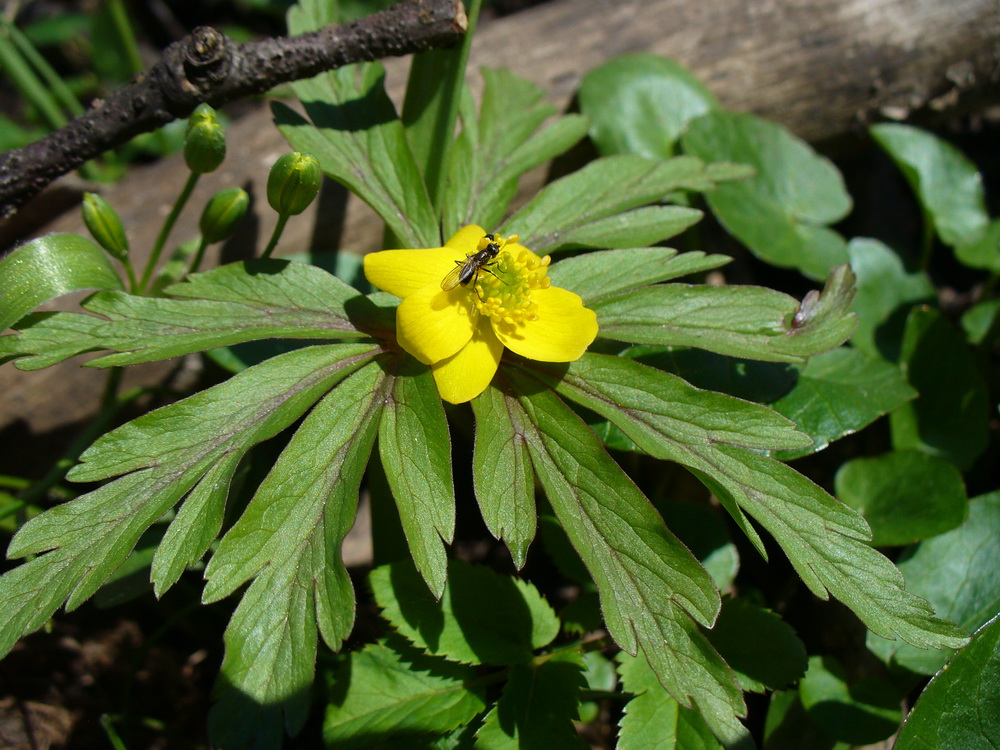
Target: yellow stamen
{"x":504,"y":292}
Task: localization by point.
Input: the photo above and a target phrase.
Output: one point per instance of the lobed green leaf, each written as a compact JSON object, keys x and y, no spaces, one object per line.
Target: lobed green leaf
{"x":605,"y":187}
{"x":858,"y":713}
{"x":502,"y":476}
{"x":355,"y":135}
{"x":652,"y":719}
{"x":537,"y":708}
{"x":415,"y":448}
{"x":381,"y":695}
{"x":499,"y":145}
{"x":761,"y":648}
{"x":289,"y":539}
{"x":245,"y":301}
{"x":50,"y":267}
{"x":823,"y":539}
{"x":158,"y":459}
{"x":463,"y":626}
{"x":599,"y":275}
{"x":750,"y":322}
{"x":650,"y":585}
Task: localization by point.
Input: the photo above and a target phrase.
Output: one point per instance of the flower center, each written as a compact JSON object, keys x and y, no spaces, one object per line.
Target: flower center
{"x":503,"y":288}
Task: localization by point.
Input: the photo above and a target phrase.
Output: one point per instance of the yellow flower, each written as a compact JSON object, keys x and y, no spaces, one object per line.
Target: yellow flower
{"x":461,"y":329}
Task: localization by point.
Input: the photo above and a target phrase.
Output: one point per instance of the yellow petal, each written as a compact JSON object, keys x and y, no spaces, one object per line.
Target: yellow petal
{"x":465,"y":375}
{"x":432,"y":324}
{"x":562,"y":333}
{"x":404,"y":272}
{"x":466,"y":239}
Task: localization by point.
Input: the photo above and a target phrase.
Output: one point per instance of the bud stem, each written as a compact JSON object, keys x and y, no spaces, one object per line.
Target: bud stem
{"x":168,"y":225}
{"x":278,"y":229}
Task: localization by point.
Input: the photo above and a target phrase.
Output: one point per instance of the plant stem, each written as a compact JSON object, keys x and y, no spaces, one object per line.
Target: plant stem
{"x":198,"y":256}
{"x":58,"y":88}
{"x":430,"y":108}
{"x":107,"y":724}
{"x":126,"y":37}
{"x":168,"y":225}
{"x":278,"y":229}
{"x":14,"y":483}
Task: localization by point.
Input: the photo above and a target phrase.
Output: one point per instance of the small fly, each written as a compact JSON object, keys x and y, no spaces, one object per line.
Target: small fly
{"x":466,"y":271}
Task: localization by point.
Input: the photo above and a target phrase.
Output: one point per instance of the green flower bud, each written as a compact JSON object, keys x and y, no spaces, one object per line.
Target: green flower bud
{"x":223,"y":213}
{"x":293,"y":183}
{"x":205,"y":141}
{"x":104,"y":224}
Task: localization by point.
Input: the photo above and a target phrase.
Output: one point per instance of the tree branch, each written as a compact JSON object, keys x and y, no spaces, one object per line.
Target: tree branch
{"x":207,"y":66}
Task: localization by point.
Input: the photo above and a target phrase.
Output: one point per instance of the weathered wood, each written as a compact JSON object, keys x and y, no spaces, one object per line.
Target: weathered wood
{"x":821,"y":67}
{"x":209,"y":67}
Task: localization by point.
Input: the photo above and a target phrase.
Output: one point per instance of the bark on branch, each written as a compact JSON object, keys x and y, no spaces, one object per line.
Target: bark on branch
{"x":207,"y":66}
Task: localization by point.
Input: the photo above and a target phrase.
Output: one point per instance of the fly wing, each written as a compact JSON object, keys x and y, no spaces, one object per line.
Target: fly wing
{"x":454,"y":278}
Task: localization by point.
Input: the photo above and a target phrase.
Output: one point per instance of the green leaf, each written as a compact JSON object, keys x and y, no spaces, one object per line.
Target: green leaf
{"x":380,"y":695}
{"x":981,"y":322}
{"x":886,"y":292}
{"x":598,"y":275}
{"x":497,"y":147}
{"x":948,"y":186}
{"x":415,"y":449}
{"x":961,"y":705}
{"x":641,"y":103}
{"x":434,"y":87}
{"x":823,"y":539}
{"x":750,"y":322}
{"x":861,"y":713}
{"x":537,"y":708}
{"x":641,"y":226}
{"x":780,"y":214}
{"x":288,"y":539}
{"x":191,"y":446}
{"x":577,"y":203}
{"x":950,"y":419}
{"x":838,"y":393}
{"x":761,"y":648}
{"x":502,"y":477}
{"x":956,"y":573}
{"x":763,"y":382}
{"x":984,"y":252}
{"x":652,"y":719}
{"x":359,"y":141}
{"x":238,"y":302}
{"x":463,"y":626}
{"x":905,"y":495}
{"x":50,"y":267}
{"x":650,"y":584}
{"x":788,"y":726}
{"x":703,"y":530}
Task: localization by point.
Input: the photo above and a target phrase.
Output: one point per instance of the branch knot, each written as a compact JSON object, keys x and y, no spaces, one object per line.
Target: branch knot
{"x":207,"y":55}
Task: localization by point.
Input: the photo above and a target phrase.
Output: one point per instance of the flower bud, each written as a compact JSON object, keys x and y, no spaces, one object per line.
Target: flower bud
{"x":223,"y":213}
{"x":104,"y":224}
{"x":205,"y":141}
{"x":293,"y":183}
